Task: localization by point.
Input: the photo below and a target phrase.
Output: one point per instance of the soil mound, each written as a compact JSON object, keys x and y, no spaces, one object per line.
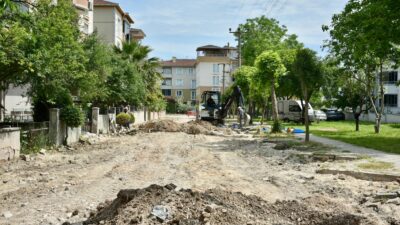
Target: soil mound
{"x":165,"y":205}
{"x":193,"y":127}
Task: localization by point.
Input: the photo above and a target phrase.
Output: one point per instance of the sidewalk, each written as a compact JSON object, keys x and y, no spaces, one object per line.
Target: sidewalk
{"x":382,"y":156}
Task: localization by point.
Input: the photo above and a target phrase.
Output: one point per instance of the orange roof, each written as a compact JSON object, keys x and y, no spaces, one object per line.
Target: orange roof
{"x":179,"y":63}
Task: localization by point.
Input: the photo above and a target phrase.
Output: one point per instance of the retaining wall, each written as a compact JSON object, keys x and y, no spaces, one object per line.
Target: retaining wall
{"x":10,"y":143}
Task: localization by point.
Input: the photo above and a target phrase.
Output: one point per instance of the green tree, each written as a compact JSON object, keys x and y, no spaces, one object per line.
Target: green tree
{"x":364,"y":37}
{"x":352,"y":95}
{"x":261,"y":34}
{"x":270,"y":68}
{"x":58,"y":56}
{"x":309,"y":72}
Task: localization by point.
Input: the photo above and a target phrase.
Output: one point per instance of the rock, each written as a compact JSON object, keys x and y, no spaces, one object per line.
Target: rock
{"x":209,"y":209}
{"x":42,"y":151}
{"x":395,"y":201}
{"x":26,"y":158}
{"x":160,"y":212}
{"x":342,"y":177}
{"x":385,"y":196}
{"x":24,"y":204}
{"x":7,"y":214}
{"x":75,"y":212}
{"x":170,"y":187}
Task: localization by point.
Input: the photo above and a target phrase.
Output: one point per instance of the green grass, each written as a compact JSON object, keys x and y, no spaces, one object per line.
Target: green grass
{"x":388,"y":140}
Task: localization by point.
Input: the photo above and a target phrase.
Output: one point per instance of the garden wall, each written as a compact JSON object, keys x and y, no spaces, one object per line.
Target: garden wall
{"x":10,"y":143}
{"x":387,"y":118}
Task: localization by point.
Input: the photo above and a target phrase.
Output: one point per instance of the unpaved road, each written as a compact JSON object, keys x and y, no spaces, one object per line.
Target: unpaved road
{"x":51,"y":189}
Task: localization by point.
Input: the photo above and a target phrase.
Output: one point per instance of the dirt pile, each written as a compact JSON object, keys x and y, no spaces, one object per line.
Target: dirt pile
{"x":165,"y":205}
{"x":193,"y":127}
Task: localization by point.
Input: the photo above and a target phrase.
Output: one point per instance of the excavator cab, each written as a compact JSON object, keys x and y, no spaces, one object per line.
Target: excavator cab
{"x":210,"y":105}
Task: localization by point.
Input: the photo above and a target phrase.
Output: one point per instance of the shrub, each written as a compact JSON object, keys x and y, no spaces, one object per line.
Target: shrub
{"x":123,"y":119}
{"x":132,"y":118}
{"x":72,"y":116}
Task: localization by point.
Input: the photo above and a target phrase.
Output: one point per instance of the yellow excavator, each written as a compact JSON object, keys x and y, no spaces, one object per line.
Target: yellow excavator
{"x":211,"y":107}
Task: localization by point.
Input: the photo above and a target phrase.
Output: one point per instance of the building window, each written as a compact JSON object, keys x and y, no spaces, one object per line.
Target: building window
{"x":179,"y":82}
{"x":167,"y":82}
{"x":179,"y":71}
{"x":390,"y":77}
{"x":216,"y":68}
{"x":166,"y":92}
{"x":190,"y":71}
{"x":215,"y":80}
{"x":215,"y":89}
{"x":167,"y":70}
{"x":193,"y":84}
{"x":390,"y":100}
{"x":179,"y":93}
{"x":90,"y":5}
{"x":193,"y":95}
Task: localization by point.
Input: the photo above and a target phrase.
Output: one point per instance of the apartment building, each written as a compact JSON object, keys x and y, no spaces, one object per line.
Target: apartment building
{"x":187,"y":79}
{"x":137,"y":34}
{"x":179,"y":79}
{"x":214,"y":66}
{"x":85,"y":12}
{"x":112,"y":23}
{"x":392,"y":91}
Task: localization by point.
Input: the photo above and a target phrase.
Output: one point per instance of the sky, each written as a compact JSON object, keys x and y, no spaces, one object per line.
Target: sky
{"x":178,"y":27}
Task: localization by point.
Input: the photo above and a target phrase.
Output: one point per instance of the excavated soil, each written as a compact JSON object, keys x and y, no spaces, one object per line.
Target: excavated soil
{"x":188,"y":207}
{"x":192,"y":127}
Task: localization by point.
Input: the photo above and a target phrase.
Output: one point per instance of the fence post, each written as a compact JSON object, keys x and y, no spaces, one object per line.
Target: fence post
{"x":95,"y":120}
{"x":55,"y":127}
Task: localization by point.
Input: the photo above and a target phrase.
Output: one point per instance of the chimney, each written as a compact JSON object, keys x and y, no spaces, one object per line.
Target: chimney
{"x":174,"y":59}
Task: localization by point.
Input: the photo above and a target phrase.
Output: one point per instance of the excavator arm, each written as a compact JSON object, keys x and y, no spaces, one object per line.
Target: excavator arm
{"x":236,"y":96}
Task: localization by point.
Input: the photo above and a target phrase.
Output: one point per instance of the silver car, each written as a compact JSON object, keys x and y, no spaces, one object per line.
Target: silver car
{"x":319,"y":115}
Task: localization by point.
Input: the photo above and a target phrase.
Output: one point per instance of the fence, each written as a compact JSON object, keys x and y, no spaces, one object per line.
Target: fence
{"x":10,"y":144}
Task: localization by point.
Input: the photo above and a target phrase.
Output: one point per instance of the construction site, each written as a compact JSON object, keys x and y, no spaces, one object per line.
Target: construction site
{"x":178,"y":172}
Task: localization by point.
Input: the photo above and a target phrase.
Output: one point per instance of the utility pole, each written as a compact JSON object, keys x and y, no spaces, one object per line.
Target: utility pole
{"x":223,"y":77}
{"x":238,"y":33}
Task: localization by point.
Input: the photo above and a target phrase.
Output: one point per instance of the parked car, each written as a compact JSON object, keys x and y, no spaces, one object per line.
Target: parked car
{"x":319,"y":115}
{"x":334,"y":114}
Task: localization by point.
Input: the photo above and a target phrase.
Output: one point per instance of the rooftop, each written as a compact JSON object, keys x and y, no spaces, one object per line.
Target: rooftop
{"x":103,"y":3}
{"x":179,"y":63}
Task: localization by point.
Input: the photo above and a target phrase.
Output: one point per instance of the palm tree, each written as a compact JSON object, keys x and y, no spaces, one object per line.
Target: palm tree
{"x":138,"y":54}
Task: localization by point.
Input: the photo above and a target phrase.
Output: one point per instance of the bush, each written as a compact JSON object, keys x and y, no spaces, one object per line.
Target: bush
{"x":72,"y":116}
{"x":132,"y":118}
{"x":123,"y":119}
{"x":183,"y":108}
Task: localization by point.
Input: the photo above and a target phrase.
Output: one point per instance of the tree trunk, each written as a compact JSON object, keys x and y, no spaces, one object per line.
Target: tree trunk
{"x":274,"y":102}
{"x":264,"y":111}
{"x":251,"y":112}
{"x":306,"y":120}
{"x":382,"y":97}
{"x":357,"y":120}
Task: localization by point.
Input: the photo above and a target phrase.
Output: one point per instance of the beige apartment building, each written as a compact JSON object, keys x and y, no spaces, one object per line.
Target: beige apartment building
{"x":179,"y":79}
{"x":112,"y":23}
{"x":187,"y":79}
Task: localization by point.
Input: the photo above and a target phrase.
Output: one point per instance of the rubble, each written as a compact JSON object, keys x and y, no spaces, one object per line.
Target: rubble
{"x":160,"y":205}
{"x":192,"y":127}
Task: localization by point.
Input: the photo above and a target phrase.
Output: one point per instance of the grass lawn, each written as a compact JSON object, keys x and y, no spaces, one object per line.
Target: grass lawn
{"x":388,"y":140}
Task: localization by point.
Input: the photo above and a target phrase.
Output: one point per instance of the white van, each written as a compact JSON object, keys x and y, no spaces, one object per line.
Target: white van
{"x":290,"y":110}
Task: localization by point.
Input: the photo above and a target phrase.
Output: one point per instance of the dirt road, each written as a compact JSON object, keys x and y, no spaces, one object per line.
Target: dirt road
{"x":67,"y":186}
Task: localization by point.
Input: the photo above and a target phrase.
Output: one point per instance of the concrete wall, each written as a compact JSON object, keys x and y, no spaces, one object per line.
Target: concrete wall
{"x":370,"y":117}
{"x":104,"y":124}
{"x":10,"y":143}
{"x":58,"y":131}
{"x":104,"y":23}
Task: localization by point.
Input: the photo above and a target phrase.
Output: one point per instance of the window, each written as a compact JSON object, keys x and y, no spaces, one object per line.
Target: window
{"x":190,"y":71}
{"x":179,"y":93}
{"x":390,"y":77}
{"x":167,"y":82}
{"x":390,"y":100}
{"x":216,"y":80}
{"x":179,"y":82}
{"x":215,"y":89}
{"x":216,"y":68}
{"x":179,"y":71}
{"x":193,"y":86}
{"x":166,"y":92}
{"x":167,"y":70}
{"x":90,"y":6}
{"x":193,"y":95}
{"x":294,"y":108}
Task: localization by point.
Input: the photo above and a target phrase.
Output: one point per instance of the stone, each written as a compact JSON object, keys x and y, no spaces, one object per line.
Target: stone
{"x":42,"y":151}
{"x":395,"y":201}
{"x":160,"y":212}
{"x":342,"y":177}
{"x":7,"y":214}
{"x":209,"y":209}
{"x":385,"y":196}
{"x":75,"y":212}
{"x":26,"y":158}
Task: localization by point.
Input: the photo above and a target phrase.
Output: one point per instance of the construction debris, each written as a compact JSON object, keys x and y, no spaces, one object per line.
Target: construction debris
{"x":362,"y":175}
{"x":193,"y":127}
